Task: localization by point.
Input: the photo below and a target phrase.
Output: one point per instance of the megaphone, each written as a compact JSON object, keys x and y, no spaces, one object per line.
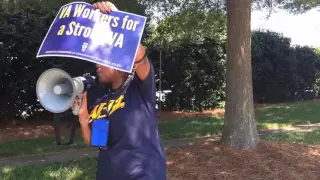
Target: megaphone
{"x":57,"y":90}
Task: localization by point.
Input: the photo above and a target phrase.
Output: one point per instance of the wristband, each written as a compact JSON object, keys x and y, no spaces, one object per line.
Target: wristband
{"x":139,"y":61}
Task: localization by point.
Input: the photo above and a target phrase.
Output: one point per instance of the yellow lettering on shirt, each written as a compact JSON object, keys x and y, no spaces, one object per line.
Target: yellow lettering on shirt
{"x":117,"y":105}
{"x":101,"y":110}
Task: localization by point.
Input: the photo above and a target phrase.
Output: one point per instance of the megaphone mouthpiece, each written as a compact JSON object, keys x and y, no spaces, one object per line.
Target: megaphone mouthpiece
{"x":63,"y":89}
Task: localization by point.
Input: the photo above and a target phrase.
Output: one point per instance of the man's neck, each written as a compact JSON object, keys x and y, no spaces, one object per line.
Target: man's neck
{"x":115,"y":85}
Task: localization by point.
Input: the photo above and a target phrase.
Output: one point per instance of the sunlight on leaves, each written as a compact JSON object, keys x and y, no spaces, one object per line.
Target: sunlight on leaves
{"x":7,"y":170}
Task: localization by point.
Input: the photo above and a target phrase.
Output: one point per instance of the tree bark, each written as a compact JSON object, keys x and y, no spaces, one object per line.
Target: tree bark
{"x":240,"y":127}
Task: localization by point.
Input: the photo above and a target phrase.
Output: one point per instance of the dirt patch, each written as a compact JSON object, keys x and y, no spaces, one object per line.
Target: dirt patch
{"x":271,"y":160}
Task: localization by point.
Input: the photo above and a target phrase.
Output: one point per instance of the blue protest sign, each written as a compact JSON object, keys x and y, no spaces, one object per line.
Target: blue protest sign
{"x":82,"y":32}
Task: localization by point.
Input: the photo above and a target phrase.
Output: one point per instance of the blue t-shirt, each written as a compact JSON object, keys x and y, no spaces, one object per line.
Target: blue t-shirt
{"x":134,"y":149}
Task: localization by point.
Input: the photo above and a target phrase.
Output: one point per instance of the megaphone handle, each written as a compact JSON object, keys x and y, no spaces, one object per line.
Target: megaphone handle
{"x":76,"y":109}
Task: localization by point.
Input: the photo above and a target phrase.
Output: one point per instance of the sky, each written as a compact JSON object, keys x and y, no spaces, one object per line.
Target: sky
{"x":303,"y":29}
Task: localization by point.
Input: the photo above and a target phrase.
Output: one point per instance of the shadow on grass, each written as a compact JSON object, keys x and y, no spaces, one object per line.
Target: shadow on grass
{"x":190,"y":127}
{"x":36,"y":146}
{"x":74,"y":170}
{"x":287,"y":114}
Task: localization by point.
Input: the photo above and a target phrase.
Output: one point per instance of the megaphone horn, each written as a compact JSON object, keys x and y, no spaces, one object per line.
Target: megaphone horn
{"x":56,"y":89}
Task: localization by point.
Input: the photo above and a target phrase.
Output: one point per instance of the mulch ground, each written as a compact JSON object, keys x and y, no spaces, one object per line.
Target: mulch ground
{"x":270,"y":160}
{"x":29,"y":130}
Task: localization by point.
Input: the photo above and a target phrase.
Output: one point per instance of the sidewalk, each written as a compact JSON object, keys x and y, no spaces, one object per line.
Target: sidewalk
{"x":72,"y":154}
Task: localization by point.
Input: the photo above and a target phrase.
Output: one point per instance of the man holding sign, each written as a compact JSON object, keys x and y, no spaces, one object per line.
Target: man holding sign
{"x":122,"y":122}
{"x":84,"y":32}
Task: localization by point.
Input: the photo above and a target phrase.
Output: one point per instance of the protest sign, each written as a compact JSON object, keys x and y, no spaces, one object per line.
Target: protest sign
{"x":83,"y":32}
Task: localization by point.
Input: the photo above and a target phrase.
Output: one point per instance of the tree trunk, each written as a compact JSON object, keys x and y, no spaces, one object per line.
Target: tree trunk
{"x":240,"y":127}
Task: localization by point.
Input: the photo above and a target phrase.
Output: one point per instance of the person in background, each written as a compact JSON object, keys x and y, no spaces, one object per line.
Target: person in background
{"x":56,"y":122}
{"x":134,"y":150}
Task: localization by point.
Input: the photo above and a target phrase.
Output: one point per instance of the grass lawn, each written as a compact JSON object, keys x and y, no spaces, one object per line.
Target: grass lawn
{"x":287,"y":114}
{"x":35,"y":146}
{"x":84,"y":169}
{"x":297,"y":137}
{"x":268,"y":117}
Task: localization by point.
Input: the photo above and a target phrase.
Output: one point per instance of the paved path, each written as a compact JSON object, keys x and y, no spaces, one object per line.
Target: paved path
{"x":68,"y":155}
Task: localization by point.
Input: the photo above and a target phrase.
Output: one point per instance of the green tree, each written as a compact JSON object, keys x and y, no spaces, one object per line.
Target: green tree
{"x":300,"y":6}
{"x":273,"y":67}
{"x":21,"y":33}
{"x":191,"y":25}
{"x":280,"y":72}
{"x":160,"y":9}
{"x":292,"y":6}
{"x":305,"y":72}
{"x":194,"y":73}
{"x":191,"y":68}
